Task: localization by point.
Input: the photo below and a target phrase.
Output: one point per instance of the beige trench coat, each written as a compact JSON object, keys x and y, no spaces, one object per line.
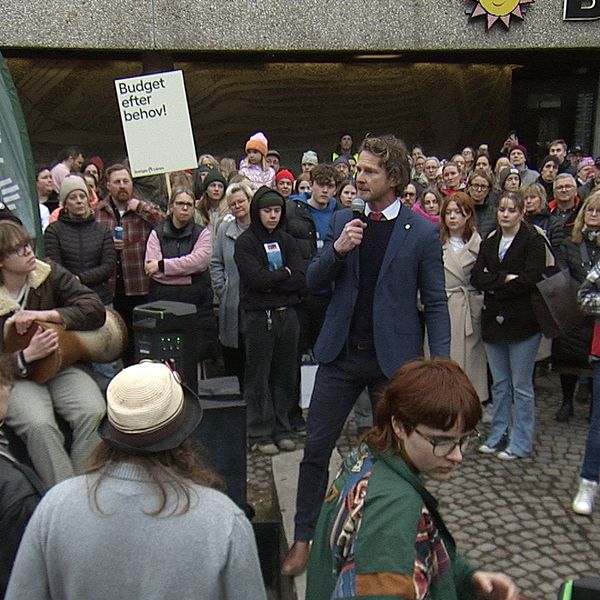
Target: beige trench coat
{"x":464,"y":305}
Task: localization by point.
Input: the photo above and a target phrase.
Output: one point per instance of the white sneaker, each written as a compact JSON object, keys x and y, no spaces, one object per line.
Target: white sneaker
{"x":584,"y":500}
{"x":286,"y":444}
{"x":507,"y":455}
{"x":485,"y":449}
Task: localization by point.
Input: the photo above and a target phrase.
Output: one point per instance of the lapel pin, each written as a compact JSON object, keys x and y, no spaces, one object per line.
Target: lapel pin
{"x":407,"y":226}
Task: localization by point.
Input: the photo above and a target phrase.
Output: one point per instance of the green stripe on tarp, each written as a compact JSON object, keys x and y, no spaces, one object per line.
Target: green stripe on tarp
{"x":17,"y":172}
{"x":567,"y":590}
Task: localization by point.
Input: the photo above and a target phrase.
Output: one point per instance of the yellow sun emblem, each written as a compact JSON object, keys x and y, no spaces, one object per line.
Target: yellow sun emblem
{"x":499,"y":10}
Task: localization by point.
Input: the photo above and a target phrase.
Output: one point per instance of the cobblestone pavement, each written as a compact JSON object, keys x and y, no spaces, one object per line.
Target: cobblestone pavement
{"x":514,"y":516}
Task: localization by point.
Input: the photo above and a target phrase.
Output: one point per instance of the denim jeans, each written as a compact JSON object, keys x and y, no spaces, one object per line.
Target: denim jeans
{"x":512,"y":364}
{"x":591,"y":459}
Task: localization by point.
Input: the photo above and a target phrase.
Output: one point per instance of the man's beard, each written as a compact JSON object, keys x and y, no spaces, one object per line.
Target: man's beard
{"x":122,"y":196}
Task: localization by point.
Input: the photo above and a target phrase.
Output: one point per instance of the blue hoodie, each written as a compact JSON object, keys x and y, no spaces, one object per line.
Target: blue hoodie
{"x":321,"y":217}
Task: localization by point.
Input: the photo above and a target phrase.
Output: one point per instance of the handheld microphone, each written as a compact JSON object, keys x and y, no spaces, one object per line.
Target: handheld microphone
{"x":358,"y":207}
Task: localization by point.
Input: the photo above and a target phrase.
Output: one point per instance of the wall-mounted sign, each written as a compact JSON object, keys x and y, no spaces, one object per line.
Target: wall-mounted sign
{"x":499,"y":10}
{"x":574,"y":10}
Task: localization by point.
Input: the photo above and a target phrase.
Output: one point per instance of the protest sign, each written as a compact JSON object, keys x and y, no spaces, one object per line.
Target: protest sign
{"x":156,"y":123}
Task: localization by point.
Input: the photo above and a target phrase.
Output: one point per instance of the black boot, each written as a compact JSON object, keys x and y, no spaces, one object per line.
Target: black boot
{"x":565,"y":411}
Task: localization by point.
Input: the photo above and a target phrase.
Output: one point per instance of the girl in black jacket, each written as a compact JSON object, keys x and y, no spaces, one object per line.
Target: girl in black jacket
{"x":271,"y":282}
{"x":510,"y":263}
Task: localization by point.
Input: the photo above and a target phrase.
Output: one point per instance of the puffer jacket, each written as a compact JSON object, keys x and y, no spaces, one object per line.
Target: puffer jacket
{"x":300,"y":225}
{"x":86,"y":249}
{"x":552,"y":227}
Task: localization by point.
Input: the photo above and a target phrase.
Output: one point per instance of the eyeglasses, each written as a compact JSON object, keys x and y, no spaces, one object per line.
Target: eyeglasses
{"x":236,"y":203}
{"x":22,"y":249}
{"x":183,"y":204}
{"x":480,"y":187}
{"x":443,"y":448}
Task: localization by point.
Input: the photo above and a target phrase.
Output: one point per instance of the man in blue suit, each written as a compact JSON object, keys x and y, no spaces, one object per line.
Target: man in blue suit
{"x":378,"y":263}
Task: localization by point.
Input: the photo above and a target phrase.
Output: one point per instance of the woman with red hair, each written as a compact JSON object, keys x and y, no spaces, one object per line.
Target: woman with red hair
{"x":379,"y":533}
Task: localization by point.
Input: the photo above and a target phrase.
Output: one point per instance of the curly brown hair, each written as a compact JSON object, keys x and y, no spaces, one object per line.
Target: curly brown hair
{"x":393,"y":155}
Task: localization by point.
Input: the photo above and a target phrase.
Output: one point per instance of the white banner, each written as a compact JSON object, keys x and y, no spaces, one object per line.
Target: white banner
{"x":156,"y":123}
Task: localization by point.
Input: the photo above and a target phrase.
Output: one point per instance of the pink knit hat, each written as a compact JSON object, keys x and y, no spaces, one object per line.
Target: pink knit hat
{"x":258,"y":141}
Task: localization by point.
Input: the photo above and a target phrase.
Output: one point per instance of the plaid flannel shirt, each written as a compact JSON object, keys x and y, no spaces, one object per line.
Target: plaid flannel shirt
{"x":136,"y":229}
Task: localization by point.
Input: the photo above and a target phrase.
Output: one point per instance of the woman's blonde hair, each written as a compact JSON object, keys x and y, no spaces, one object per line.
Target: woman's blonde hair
{"x":238,"y":187}
{"x":535,"y":189}
{"x":592,"y":200}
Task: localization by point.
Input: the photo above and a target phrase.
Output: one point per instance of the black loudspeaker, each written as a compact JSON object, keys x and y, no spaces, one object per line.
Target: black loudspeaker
{"x":586,"y":588}
{"x":166,"y":330}
{"x":221,"y":435}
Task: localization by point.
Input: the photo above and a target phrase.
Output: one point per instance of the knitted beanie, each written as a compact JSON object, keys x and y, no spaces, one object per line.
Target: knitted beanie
{"x":97,"y":160}
{"x":522,"y":149}
{"x":212,"y":176}
{"x":284,"y":174}
{"x":341,"y":160}
{"x":70,"y":184}
{"x":265,"y":197}
{"x":259,"y":142}
{"x":587,"y":161}
{"x":504,"y":175}
{"x":310,"y":158}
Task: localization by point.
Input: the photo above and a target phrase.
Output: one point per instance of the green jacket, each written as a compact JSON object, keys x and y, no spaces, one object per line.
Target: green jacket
{"x":380,"y":536}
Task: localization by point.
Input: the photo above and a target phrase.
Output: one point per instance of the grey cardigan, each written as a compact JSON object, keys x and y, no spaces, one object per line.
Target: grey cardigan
{"x":226,"y":282}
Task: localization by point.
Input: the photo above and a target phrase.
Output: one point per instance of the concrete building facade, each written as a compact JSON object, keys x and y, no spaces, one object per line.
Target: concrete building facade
{"x":442,"y":74}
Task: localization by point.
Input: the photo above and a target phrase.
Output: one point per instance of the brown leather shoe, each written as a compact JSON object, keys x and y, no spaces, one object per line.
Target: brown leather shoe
{"x":296,"y":559}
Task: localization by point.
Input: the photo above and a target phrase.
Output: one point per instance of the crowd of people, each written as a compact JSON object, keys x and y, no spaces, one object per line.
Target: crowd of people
{"x":289,"y":264}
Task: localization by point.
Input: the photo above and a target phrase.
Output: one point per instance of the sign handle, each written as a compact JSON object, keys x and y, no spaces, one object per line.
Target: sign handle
{"x":168,"y":182}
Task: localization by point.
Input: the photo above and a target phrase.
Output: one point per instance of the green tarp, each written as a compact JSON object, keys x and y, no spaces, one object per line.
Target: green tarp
{"x":17,"y":173}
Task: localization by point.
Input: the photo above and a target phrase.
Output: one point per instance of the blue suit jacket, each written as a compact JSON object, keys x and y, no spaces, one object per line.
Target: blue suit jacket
{"x":412,"y":263}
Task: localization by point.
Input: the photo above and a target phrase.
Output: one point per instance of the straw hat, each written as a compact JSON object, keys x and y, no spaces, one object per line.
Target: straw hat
{"x":149,"y":410}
